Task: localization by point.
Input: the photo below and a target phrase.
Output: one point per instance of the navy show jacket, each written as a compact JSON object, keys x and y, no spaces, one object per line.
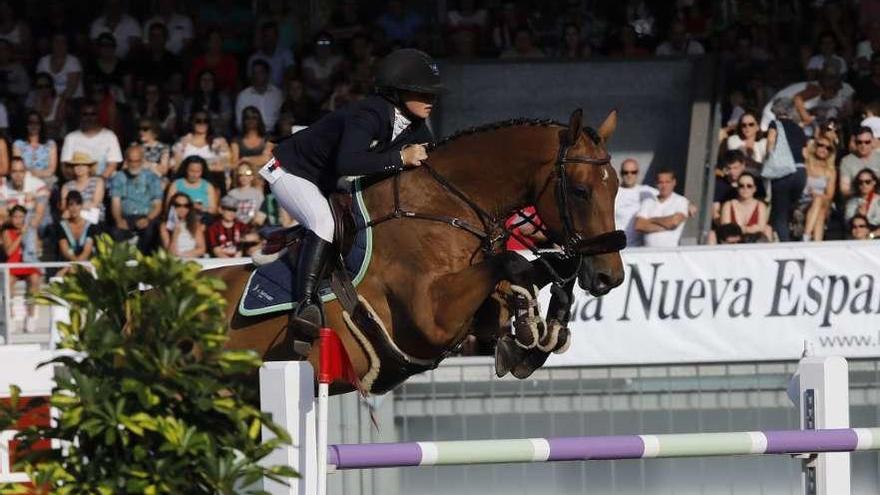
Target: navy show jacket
{"x":354,"y":140}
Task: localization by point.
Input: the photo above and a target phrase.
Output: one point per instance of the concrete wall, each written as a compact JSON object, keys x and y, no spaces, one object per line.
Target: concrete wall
{"x":653,"y":98}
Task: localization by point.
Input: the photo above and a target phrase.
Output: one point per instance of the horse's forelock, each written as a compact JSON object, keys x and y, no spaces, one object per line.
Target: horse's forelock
{"x":593,"y":135}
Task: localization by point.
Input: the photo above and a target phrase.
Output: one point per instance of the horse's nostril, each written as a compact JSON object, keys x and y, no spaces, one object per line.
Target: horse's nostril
{"x":603,"y":280}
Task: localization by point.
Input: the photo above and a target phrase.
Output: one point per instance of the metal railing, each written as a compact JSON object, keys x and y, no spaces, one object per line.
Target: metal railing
{"x":45,"y":321}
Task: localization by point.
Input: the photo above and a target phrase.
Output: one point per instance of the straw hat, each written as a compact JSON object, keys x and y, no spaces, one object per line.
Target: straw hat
{"x":81,"y":158}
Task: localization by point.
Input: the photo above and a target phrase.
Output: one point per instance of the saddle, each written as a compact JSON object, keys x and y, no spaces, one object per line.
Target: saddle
{"x":345,"y":228}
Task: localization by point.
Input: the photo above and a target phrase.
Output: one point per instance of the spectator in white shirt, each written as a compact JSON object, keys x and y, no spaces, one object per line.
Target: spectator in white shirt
{"x":320,"y":70}
{"x":661,"y":219}
{"x":65,"y":69}
{"x":100,"y":143}
{"x":678,"y":43}
{"x":826,"y":54}
{"x":866,"y":48}
{"x":629,"y":200}
{"x":23,"y":189}
{"x":260,"y":94}
{"x":279,"y":58}
{"x":122,"y":26}
{"x":180,"y":27}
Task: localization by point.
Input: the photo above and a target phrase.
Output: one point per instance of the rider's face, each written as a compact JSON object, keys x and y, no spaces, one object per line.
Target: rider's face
{"x":418,"y":104}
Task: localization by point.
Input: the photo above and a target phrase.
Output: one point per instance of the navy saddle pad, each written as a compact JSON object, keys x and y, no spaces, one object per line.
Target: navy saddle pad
{"x":270,"y":287}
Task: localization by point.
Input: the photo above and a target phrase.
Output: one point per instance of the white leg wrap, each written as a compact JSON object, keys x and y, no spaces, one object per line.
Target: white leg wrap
{"x":532,"y":319}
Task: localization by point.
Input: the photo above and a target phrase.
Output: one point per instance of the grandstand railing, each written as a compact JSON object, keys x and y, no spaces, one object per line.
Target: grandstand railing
{"x":43,"y":334}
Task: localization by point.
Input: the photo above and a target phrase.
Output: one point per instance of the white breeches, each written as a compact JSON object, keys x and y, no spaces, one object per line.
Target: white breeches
{"x":305,"y":203}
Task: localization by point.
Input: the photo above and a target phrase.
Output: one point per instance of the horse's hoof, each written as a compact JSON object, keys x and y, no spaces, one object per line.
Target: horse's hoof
{"x":507,"y":355}
{"x":533,"y":360}
{"x":563,"y":341}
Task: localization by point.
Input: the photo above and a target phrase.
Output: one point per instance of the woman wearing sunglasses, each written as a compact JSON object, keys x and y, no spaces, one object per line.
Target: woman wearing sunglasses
{"x":749,"y":140}
{"x":381,"y":134}
{"x":866,"y":201}
{"x":860,"y":229}
{"x":821,"y":183}
{"x":747,"y":211}
{"x":48,"y":104}
{"x":183,"y":234}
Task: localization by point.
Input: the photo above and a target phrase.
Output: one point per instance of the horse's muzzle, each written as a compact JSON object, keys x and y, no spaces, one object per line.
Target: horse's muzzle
{"x":609,"y":242}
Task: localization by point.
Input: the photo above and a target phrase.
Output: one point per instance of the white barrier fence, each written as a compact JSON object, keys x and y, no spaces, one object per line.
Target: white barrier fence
{"x":14,"y":301}
{"x":819,"y":389}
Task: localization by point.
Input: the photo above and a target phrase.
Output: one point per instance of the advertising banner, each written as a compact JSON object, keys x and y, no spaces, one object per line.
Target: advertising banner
{"x":736,"y":303}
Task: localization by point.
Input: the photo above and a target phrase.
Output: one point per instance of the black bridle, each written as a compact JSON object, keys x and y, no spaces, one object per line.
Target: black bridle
{"x":573,"y":242}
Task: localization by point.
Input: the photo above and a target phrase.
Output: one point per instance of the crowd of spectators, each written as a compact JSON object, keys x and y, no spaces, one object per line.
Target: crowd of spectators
{"x":149,"y":120}
{"x":799,"y":151}
{"x":809,"y":79}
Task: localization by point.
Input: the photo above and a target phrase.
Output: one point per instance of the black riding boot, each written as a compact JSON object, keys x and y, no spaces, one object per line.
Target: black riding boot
{"x":306,"y":318}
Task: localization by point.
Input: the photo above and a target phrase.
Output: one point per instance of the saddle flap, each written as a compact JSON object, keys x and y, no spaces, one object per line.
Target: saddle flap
{"x":341,"y":205}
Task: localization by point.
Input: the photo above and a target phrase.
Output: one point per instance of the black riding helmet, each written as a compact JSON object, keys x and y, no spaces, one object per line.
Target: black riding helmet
{"x":409,"y":69}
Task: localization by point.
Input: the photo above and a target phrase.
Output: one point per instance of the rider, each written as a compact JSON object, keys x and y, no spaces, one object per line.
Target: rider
{"x":382,"y":134}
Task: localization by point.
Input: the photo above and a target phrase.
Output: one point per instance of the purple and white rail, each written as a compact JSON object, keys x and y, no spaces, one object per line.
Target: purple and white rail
{"x":383,"y":455}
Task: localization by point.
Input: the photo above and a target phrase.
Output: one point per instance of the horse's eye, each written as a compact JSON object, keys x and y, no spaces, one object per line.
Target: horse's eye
{"x":581,"y":191}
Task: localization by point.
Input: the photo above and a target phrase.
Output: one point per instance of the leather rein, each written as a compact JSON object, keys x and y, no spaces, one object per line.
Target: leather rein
{"x":489,"y":223}
{"x":491,"y":230}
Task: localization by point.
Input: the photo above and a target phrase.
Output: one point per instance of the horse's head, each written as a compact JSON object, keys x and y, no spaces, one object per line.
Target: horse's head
{"x":575,"y":199}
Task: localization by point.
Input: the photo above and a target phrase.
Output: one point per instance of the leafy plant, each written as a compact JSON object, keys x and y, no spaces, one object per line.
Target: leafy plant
{"x":150,"y":401}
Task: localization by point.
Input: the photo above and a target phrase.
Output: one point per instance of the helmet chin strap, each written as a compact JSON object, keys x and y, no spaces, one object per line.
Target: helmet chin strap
{"x":392,"y":95}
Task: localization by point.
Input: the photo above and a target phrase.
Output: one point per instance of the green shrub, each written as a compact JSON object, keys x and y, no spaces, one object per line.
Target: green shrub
{"x":152,"y":403}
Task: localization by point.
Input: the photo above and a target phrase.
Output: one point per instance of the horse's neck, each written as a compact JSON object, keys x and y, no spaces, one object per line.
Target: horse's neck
{"x":497,"y":169}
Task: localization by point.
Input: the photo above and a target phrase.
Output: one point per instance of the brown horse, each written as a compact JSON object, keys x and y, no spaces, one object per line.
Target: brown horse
{"x":427,"y":279}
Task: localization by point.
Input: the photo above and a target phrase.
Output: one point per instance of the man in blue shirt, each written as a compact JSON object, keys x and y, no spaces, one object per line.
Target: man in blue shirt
{"x":136,"y":201}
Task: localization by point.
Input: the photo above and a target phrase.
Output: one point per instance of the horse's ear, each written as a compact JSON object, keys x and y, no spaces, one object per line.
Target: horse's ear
{"x":607,"y":127}
{"x":575,"y":125}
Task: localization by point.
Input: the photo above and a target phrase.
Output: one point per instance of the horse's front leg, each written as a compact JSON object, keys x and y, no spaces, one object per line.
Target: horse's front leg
{"x":491,"y":322}
{"x":456,"y":297}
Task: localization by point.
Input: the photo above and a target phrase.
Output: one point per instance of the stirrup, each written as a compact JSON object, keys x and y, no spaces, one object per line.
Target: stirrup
{"x":306,"y":321}
{"x":303,"y":332}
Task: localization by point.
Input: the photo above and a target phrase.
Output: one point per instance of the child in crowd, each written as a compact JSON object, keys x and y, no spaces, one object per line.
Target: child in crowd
{"x":14,"y":231}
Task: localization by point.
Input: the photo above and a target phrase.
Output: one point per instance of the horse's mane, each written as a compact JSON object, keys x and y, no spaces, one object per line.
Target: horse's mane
{"x":503,"y":124}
